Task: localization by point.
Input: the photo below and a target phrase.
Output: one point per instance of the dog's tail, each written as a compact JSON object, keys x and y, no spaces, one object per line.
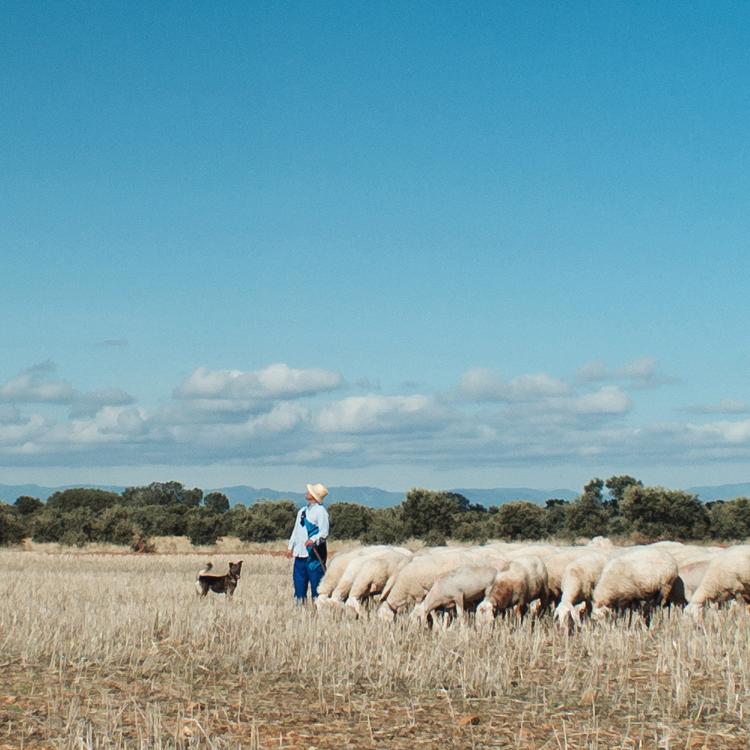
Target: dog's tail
{"x":207,"y":569}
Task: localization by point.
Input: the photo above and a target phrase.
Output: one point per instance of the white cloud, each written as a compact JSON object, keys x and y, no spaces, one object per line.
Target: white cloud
{"x":607,"y":400}
{"x":639,"y":373}
{"x":593,"y":371}
{"x":278,"y":416}
{"x":87,"y":404}
{"x":377,"y":413}
{"x":208,"y":411}
{"x":727,"y":431}
{"x":34,"y":385}
{"x":9,"y":414}
{"x":275,"y":381}
{"x":22,"y":431}
{"x":482,"y":384}
{"x":725,"y":406}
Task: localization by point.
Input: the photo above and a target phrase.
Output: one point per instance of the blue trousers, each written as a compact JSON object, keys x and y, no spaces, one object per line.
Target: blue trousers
{"x":307,"y":570}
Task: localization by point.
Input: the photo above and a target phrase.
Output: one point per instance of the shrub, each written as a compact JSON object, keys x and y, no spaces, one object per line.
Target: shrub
{"x":204,"y":527}
{"x":434,"y":538}
{"x":26,"y":505}
{"x":216,"y":502}
{"x":350,"y":521}
{"x":425,"y":510}
{"x":730,"y":520}
{"x":266,"y":521}
{"x":386,"y":527}
{"x":656,"y":512}
{"x":12,"y":528}
{"x":83,"y":497}
{"x":115,"y":526}
{"x":521,"y":520}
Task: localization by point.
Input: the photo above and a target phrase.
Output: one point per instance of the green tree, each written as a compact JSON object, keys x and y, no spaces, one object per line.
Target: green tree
{"x":26,"y":505}
{"x":656,"y":512}
{"x":731,"y":519}
{"x":48,"y":525}
{"x":203,"y":526}
{"x":83,"y":497}
{"x":617,"y":486}
{"x":434,"y":538}
{"x":216,"y":502}
{"x":587,"y":516}
{"x":115,"y":526}
{"x":426,"y":510}
{"x":349,"y":520}
{"x":163,"y":493}
{"x":12,"y":528}
{"x":79,"y":527}
{"x":267,"y":520}
{"x":476,"y":529}
{"x":556,"y":516}
{"x":387,"y":526}
{"x":233,"y":519}
{"x":160,"y":520}
{"x":520,"y":520}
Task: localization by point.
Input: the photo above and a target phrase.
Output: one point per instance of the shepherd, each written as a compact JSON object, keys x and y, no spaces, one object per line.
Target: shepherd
{"x":307,"y":544}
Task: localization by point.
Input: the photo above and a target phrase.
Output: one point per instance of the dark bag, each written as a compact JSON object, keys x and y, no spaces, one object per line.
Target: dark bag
{"x":322,"y":549}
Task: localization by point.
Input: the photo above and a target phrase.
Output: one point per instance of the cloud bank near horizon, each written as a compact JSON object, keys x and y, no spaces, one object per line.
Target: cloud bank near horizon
{"x":282,"y":416}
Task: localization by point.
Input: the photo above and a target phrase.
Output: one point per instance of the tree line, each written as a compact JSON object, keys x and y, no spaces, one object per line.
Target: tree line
{"x":619,"y":507}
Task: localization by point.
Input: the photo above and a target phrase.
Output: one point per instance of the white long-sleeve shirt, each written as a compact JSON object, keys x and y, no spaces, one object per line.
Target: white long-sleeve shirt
{"x":314,"y":526}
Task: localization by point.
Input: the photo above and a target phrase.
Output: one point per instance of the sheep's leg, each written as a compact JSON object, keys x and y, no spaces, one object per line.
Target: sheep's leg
{"x":460,"y":608}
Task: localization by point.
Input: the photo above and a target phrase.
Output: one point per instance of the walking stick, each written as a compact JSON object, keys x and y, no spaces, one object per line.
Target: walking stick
{"x":323,"y":565}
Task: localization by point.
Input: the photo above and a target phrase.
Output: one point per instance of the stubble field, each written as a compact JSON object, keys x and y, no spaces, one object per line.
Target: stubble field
{"x":116,"y":651}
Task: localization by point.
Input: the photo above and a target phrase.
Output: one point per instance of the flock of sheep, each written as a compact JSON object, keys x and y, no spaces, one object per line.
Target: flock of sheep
{"x":597,"y":579}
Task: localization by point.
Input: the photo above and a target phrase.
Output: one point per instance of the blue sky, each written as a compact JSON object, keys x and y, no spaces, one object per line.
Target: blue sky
{"x":504,"y":244}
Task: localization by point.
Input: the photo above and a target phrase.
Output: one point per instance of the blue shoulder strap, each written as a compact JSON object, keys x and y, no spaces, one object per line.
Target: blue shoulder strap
{"x":312,"y":529}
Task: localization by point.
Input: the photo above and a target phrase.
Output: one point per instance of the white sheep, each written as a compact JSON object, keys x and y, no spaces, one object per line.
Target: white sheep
{"x":639,"y":578}
{"x":343,"y":587}
{"x":459,"y":589}
{"x":691,"y":574}
{"x":373,"y":576}
{"x":334,"y":570}
{"x":341,"y":571}
{"x":727,"y":577}
{"x":542,"y":551}
{"x":556,"y":565}
{"x":521,"y":583}
{"x":577,"y":586}
{"x":413,"y":581}
{"x":684,"y":553}
{"x":602,"y":543}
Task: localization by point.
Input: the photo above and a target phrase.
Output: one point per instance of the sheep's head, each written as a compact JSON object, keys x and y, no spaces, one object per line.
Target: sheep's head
{"x":385,"y":613}
{"x":353,"y":607}
{"x":695,"y":611}
{"x":564,"y":616}
{"x":600,"y":611}
{"x":579,"y":611}
{"x":485,"y":611}
{"x":324,"y":603}
{"x":502,"y":593}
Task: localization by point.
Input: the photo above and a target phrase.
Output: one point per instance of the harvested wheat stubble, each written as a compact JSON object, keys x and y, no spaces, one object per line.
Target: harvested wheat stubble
{"x":117,"y":651}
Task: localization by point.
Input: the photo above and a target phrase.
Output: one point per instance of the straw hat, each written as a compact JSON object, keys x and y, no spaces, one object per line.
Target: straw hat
{"x":318,"y":491}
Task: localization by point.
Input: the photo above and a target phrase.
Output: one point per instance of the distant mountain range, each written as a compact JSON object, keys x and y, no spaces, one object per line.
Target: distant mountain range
{"x":722,"y":491}
{"x":375,"y":497}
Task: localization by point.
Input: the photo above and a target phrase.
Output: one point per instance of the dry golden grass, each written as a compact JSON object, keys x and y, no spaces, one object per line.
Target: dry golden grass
{"x":116,"y":651}
{"x":181,"y":545}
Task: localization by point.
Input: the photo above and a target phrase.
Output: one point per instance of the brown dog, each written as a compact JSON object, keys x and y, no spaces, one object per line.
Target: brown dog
{"x":219,"y":584}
